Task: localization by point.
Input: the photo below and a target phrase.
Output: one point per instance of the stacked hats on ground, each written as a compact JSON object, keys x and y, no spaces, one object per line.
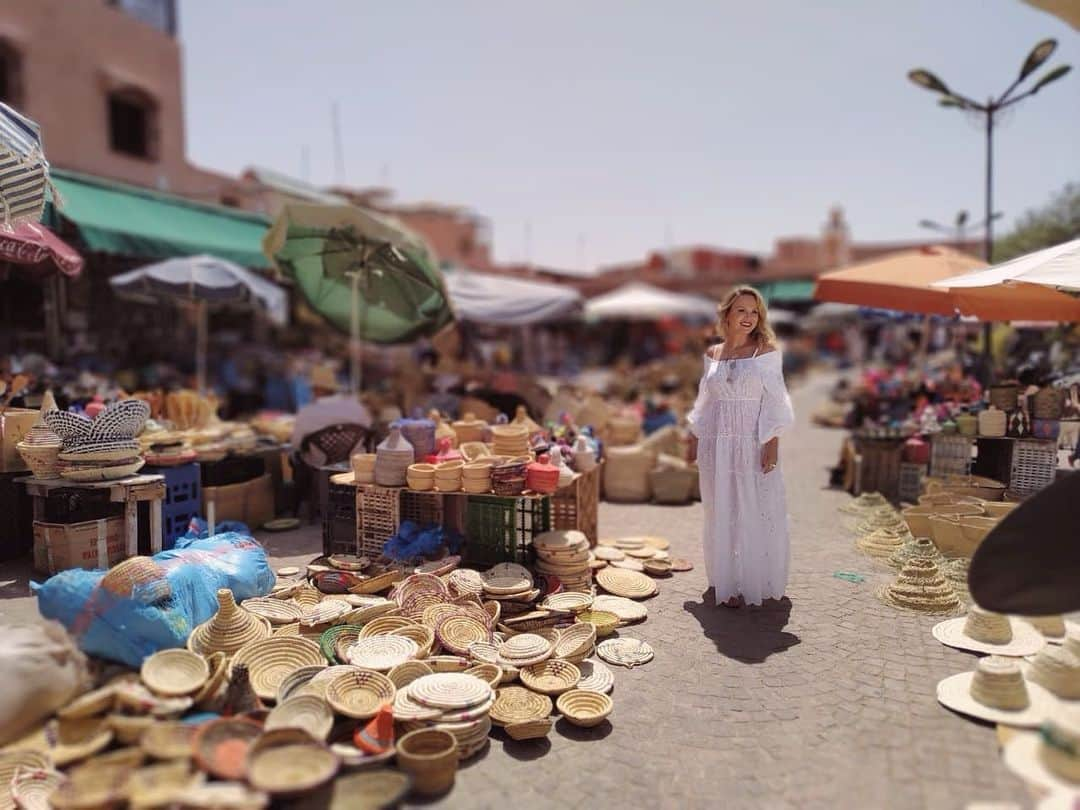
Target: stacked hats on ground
{"x":921,"y":587}
{"x":103,"y":448}
{"x":565,"y":554}
{"x":40,"y":447}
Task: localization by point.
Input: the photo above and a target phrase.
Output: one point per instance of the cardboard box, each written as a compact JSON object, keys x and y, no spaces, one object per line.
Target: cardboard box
{"x":229,"y":502}
{"x":14,"y":424}
{"x":91,"y":544}
{"x":259,"y":501}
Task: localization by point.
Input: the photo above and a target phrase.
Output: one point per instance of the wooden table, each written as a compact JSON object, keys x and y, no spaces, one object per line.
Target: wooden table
{"x":128,"y":491}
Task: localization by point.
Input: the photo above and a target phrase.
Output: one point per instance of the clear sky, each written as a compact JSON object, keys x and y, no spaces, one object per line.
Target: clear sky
{"x":592,"y":131}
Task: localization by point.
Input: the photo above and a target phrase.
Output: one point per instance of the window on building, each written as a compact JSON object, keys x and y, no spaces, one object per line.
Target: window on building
{"x":10,"y":74}
{"x":465,"y":246}
{"x":133,"y":124}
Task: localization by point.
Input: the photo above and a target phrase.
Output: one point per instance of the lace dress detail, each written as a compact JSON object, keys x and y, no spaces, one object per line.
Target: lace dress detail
{"x":742,"y":404}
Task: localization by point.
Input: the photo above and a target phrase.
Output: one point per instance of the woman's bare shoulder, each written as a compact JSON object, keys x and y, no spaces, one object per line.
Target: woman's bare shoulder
{"x":768,"y":348}
{"x":713,"y":352}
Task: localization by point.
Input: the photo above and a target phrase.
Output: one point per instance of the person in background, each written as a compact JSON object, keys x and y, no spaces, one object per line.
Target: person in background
{"x":330,"y":407}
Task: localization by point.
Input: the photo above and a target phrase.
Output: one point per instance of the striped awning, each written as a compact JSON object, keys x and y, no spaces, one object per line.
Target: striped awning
{"x":24,"y":172}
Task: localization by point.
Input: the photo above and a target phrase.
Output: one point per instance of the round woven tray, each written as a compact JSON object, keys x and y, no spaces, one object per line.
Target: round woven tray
{"x":584,"y":708}
{"x":626,"y":609}
{"x":456,"y":632}
{"x":89,"y":704}
{"x":465,"y":581}
{"x":440,"y":568}
{"x":270,"y":660}
{"x":516,"y":704}
{"x":448,"y":663}
{"x":168,"y":740}
{"x":416,"y":603}
{"x":625,"y":652}
{"x":128,"y":729}
{"x":291,"y":769}
{"x":657,"y":568}
{"x":551,"y":677}
{"x":275,"y":611}
{"x":449,"y":690}
{"x":308,"y":712}
{"x":335,"y":641}
{"x":383,"y":625}
{"x":31,"y":788}
{"x":383,"y":652}
{"x":596,"y":676}
{"x":221,"y":746}
{"x":404,"y":674}
{"x":378,"y":787}
{"x":360,"y":694}
{"x":419,"y":583}
{"x":408,"y":710}
{"x":436,"y":613}
{"x":628,"y":565}
{"x":644,"y":553}
{"x":174,"y":673}
{"x":525,"y":647}
{"x":680,"y":564}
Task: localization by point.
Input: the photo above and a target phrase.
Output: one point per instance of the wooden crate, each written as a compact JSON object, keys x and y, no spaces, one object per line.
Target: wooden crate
{"x":911,"y":481}
{"x":577,"y":506}
{"x":878,"y":465}
{"x":446,"y":509}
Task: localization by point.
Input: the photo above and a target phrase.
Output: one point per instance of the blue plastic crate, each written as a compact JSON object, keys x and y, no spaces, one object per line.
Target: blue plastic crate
{"x":183,"y":499}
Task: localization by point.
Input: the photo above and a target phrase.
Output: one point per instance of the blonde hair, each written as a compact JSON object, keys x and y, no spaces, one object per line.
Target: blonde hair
{"x":762,"y":333}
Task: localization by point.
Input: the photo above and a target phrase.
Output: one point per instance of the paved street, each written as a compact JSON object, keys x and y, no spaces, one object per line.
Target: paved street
{"x":822,"y":700}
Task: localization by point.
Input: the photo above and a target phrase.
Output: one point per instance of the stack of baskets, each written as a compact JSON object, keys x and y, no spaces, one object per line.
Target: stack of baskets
{"x":510,"y":440}
{"x":993,"y":422}
{"x":476,"y":477}
{"x":623,"y":430}
{"x":448,"y":476}
{"x":40,"y":447}
{"x":363,"y":466}
{"x":420,"y":477}
{"x":508,"y":479}
{"x":522,"y":419}
{"x":626,"y":474}
{"x":565,"y":554}
{"x":1004,"y":396}
{"x":393,"y":457}
{"x":456,"y":702}
{"x":469,"y":429}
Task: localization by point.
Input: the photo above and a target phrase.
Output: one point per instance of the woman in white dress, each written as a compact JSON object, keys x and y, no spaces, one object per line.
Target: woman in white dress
{"x":742,"y":408}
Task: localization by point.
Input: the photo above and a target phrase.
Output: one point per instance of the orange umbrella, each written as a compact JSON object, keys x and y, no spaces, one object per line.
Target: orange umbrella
{"x":899,"y":281}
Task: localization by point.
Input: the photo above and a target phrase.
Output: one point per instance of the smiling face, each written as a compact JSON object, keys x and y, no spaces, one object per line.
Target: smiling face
{"x":742,"y":318}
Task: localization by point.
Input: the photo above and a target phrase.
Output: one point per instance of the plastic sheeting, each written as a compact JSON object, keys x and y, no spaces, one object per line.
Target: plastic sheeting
{"x":129,"y":627}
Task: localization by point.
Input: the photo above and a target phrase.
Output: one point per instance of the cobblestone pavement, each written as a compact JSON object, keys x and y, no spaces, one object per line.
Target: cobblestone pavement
{"x":825,"y":699}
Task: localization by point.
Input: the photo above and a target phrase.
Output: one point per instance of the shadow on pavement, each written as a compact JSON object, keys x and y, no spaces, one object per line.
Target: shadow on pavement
{"x":746,"y":634}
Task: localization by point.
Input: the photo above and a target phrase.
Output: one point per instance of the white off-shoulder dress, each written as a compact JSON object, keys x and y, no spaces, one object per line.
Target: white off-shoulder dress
{"x":742,"y":404}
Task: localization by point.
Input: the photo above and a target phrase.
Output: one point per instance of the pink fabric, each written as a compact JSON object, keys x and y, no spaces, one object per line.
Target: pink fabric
{"x":31,"y":243}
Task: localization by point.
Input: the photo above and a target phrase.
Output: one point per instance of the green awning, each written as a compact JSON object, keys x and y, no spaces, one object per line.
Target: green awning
{"x":776,"y":292}
{"x":130,"y":221}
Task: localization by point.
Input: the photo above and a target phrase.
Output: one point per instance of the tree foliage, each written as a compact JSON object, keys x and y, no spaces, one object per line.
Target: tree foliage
{"x":1056,"y":222}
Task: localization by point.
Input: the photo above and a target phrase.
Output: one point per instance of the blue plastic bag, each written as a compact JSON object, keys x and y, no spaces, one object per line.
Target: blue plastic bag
{"x":129,"y":628}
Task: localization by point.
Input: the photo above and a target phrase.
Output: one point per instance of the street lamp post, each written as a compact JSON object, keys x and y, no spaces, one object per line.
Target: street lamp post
{"x":949,"y":98}
{"x":957,"y":232}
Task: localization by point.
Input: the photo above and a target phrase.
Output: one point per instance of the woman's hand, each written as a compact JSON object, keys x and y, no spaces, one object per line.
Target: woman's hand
{"x":770,"y":454}
{"x":691,"y":450}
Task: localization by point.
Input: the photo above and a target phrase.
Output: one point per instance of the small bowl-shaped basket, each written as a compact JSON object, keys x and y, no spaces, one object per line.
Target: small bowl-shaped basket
{"x":551,"y":677}
{"x":42,"y":459}
{"x":384,"y":625}
{"x":604,"y":621}
{"x":492,"y":673}
{"x":336,"y":640}
{"x":289,"y":770}
{"x":404,"y":674}
{"x":31,"y":788}
{"x":308,"y":712}
{"x":295,"y":681}
{"x":128,"y":729}
{"x":360,"y":694}
{"x":221,"y":747}
{"x":584,"y":708}
{"x":160,"y":785}
{"x":530,"y":729}
{"x":422,"y":635}
{"x":168,"y":740}
{"x":174,"y":673}
{"x":270,"y":660}
{"x":575,"y":642}
{"x":457,"y":631}
{"x":430,"y":757}
{"x":275,"y":611}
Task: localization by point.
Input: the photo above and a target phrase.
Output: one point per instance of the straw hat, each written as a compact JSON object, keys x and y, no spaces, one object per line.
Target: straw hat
{"x":1052,"y":627}
{"x":916,"y":547}
{"x":996,"y":692}
{"x":865,"y":502}
{"x":986,"y":632}
{"x":229,"y":629}
{"x":921,"y":587}
{"x":883,"y":543}
{"x":1049,"y":758}
{"x":1056,"y":669}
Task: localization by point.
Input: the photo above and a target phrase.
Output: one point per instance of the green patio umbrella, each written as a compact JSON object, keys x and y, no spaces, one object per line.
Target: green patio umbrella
{"x":365,"y":274}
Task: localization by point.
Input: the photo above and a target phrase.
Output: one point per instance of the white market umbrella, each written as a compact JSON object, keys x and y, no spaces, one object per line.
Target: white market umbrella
{"x":505,"y":301}
{"x":202,"y":281}
{"x":643,"y":302}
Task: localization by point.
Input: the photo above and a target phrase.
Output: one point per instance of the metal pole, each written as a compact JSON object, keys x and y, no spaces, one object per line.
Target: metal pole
{"x":988,"y":245}
{"x":354,"y":336}
{"x":201,"y":328}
